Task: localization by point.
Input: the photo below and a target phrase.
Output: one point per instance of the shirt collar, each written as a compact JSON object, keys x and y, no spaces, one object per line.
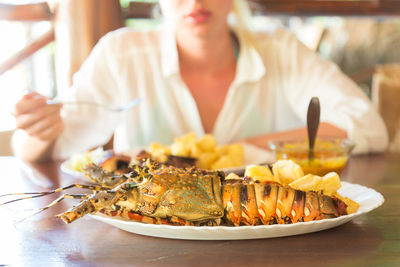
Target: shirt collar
{"x":250,"y":66}
{"x":169,"y":53}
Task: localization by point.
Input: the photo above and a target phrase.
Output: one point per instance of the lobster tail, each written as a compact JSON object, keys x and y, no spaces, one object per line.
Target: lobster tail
{"x":240,"y":203}
{"x":331,"y":207}
{"x":249,"y":203}
{"x":297,"y":212}
{"x":311,"y":207}
{"x":284,"y":204}
{"x":266,"y":196}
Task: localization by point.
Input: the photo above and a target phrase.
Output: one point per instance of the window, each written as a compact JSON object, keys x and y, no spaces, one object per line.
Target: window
{"x":35,"y":73}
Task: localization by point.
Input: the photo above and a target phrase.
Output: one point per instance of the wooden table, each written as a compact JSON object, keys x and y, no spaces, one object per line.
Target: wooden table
{"x":43,"y":240}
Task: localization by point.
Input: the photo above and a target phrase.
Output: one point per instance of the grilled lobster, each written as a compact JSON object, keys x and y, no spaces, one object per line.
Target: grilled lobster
{"x":154,"y":193}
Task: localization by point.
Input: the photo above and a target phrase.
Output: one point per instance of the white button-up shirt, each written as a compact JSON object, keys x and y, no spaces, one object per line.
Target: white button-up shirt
{"x":271,"y":91}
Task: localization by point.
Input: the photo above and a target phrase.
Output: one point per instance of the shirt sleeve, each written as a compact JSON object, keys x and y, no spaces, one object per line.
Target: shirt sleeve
{"x":343,"y":103}
{"x":88,"y":126}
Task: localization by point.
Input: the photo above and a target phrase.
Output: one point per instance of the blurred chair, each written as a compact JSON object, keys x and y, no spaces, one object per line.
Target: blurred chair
{"x":386,"y":97}
{"x":23,"y":11}
{"x":33,"y":11}
{"x":79,"y":24}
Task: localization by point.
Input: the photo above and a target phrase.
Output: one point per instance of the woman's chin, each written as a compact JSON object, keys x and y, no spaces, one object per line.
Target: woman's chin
{"x":201,"y":31}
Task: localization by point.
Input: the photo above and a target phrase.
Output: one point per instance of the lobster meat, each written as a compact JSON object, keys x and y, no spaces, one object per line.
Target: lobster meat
{"x":154,"y":193}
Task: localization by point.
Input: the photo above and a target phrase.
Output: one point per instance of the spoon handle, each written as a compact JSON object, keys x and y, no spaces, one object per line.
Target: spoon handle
{"x":313,"y":115}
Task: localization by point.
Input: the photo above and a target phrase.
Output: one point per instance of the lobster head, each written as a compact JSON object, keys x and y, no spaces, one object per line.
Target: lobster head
{"x":191,"y":194}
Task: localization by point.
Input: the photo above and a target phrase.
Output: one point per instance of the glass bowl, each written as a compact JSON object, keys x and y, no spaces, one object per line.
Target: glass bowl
{"x":330,"y":154}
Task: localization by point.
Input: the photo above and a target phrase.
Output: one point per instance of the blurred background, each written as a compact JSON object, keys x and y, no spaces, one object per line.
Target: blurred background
{"x":43,"y":43}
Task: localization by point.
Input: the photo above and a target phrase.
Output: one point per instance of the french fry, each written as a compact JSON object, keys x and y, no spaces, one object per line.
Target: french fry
{"x":287,"y":171}
{"x":182,"y":145}
{"x":352,"y":206}
{"x":160,"y":151}
{"x":179,"y":149}
{"x":232,"y":176}
{"x":208,"y":154}
{"x":330,"y":183}
{"x":260,"y":173}
{"x":308,"y":182}
{"x":188,"y":139}
{"x":236,"y":153}
{"x":222,"y":162}
{"x":205,"y":160}
{"x":222,"y":150}
{"x":196,"y":151}
{"x":207,"y":143}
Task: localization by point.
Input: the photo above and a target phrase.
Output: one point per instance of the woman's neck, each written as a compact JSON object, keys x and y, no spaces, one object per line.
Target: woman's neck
{"x":208,"y":55}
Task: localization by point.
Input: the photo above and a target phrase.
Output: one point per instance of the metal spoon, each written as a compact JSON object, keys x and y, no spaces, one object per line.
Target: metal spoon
{"x":313,"y":115}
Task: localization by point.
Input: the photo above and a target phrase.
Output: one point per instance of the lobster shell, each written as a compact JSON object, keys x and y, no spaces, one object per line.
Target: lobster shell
{"x":252,"y":203}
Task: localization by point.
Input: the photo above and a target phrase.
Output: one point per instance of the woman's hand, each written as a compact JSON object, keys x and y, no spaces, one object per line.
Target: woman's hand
{"x":37,"y":118}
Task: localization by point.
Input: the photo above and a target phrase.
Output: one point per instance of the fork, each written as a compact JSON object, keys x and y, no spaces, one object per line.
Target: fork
{"x":121,"y":108}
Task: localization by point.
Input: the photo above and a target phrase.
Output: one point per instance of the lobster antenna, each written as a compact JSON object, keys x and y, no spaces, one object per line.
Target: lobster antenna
{"x":23,"y":198}
{"x":54,"y":202}
{"x":41,"y":194}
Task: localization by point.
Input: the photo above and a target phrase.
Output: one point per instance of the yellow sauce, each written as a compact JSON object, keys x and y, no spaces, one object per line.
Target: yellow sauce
{"x":316,"y":166}
{"x":329,"y":156}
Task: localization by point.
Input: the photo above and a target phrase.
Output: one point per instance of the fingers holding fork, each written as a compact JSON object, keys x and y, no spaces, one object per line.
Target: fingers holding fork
{"x":33,"y":115}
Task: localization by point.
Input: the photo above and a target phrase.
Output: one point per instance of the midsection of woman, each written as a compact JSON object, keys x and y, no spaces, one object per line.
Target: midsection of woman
{"x":209,"y":91}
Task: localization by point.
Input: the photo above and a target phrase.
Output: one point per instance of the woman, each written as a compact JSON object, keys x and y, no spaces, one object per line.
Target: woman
{"x":199,"y":74}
